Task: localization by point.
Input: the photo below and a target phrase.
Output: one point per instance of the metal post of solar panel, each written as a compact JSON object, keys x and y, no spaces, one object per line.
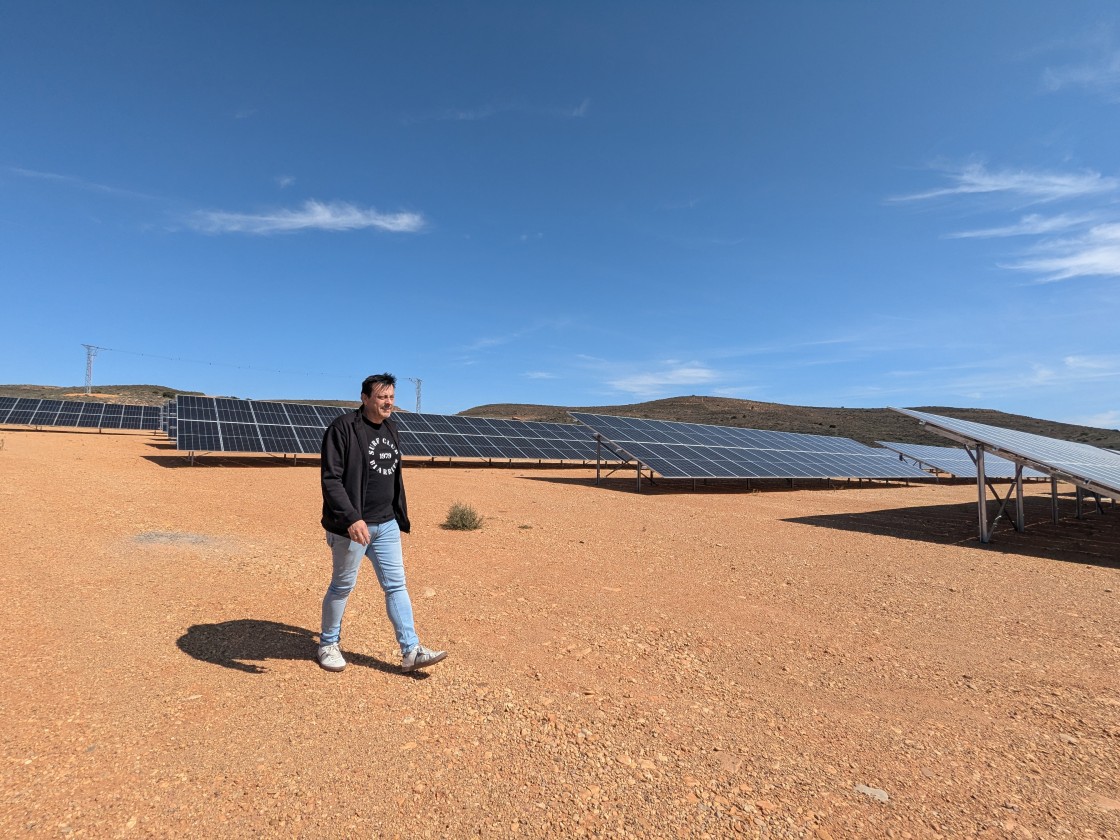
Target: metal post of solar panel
{"x":982,"y":505}
{"x":1020,"y":522}
{"x":1054,"y":499}
{"x":598,"y":457}
{"x":1080,"y":496}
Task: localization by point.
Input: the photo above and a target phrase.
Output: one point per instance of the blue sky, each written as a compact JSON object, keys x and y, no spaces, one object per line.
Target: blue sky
{"x":851,"y":204}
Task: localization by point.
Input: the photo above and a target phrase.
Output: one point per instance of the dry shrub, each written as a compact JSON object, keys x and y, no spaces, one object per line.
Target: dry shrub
{"x":462,"y":517}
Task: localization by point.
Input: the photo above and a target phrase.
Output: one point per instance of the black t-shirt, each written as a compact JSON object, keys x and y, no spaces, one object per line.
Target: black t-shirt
{"x":384,"y":461}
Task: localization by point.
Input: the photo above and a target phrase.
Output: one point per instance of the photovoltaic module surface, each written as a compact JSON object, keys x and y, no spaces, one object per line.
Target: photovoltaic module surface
{"x":480,"y":437}
{"x":1094,"y":468}
{"x":22,"y":411}
{"x":956,"y":461}
{"x":695,"y":450}
{"x":218,"y":424}
{"x":221,"y":424}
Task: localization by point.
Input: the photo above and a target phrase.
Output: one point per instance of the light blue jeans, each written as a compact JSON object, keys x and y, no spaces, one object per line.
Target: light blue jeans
{"x":384,"y":551}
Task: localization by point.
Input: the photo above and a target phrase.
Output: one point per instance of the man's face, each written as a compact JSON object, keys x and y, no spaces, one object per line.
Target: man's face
{"x":379,"y":404}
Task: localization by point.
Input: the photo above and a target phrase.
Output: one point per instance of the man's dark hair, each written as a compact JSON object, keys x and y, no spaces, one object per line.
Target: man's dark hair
{"x":386,"y":380}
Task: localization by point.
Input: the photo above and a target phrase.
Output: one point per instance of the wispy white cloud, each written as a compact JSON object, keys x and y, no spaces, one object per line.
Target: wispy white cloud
{"x":997,"y":378}
{"x":1031,"y":225}
{"x":490,"y":341}
{"x":667,"y":375}
{"x":1084,"y":242}
{"x":539,"y":374}
{"x":244,"y":113}
{"x":485,"y":112}
{"x":1102,"y":420}
{"x":79,"y":183}
{"x":313,"y":215}
{"x":1093,"y":254}
{"x":815,"y":351}
{"x":1035,"y":186}
{"x":1099,"y":74}
{"x":285,"y":181}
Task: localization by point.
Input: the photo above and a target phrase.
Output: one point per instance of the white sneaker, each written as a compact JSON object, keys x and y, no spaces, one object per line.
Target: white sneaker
{"x":330,"y":657}
{"x":420,"y":657}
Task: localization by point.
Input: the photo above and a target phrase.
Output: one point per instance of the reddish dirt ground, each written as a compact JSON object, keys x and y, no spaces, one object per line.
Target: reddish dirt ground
{"x":797,"y":663}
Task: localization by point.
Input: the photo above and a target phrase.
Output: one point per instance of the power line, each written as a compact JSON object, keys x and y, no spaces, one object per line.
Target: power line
{"x":206,"y":362}
{"x":92,"y":350}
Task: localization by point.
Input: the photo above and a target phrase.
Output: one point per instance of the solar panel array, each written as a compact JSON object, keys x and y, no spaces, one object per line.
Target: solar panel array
{"x":480,"y":437}
{"x":694,"y":450}
{"x":955,"y":460}
{"x":1089,"y":466}
{"x":24,"y":411}
{"x":218,"y":424}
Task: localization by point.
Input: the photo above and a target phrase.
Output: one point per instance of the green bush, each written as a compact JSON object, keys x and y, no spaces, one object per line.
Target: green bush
{"x":462,"y":517}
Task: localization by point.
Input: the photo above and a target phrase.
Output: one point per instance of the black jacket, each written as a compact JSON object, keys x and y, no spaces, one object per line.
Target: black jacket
{"x":343,"y":474}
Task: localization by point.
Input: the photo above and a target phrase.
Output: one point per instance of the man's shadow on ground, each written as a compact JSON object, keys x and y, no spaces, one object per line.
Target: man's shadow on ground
{"x":243,"y":642}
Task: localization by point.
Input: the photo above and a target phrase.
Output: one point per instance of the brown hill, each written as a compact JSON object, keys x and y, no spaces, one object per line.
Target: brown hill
{"x":866,"y":425}
{"x":128,"y":394}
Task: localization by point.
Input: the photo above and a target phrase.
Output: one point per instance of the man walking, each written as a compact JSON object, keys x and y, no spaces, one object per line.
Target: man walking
{"x":364,"y":513}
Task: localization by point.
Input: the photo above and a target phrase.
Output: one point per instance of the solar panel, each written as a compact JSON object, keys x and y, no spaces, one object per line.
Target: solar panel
{"x":455,"y":436}
{"x":694,"y":450}
{"x":221,"y":424}
{"x":1090,"y":467}
{"x":198,"y":436}
{"x":956,"y":461}
{"x":91,"y":415}
{"x":23,"y":411}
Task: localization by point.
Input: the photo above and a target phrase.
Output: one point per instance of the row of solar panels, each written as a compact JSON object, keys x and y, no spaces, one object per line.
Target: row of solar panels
{"x":24,"y":411}
{"x":672,"y":449}
{"x":1090,"y":467}
{"x":694,"y":450}
{"x":218,"y":424}
{"x":956,"y":461}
